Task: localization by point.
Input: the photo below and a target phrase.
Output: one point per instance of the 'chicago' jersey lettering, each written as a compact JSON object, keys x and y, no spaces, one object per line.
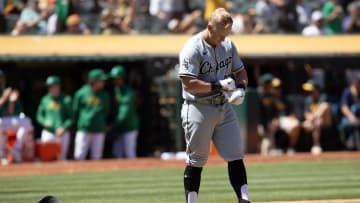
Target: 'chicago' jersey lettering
{"x":206,"y":67}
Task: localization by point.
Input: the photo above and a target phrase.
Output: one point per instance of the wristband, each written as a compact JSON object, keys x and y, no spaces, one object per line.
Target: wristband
{"x":215,"y":86}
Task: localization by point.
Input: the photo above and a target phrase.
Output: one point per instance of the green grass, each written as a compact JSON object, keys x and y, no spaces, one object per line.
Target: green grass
{"x":268,"y":181}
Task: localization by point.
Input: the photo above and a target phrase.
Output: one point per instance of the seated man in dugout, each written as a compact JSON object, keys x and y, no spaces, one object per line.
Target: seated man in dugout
{"x":275,"y":117}
{"x":350,"y":108}
{"x":14,"y":121}
{"x":317,"y":113}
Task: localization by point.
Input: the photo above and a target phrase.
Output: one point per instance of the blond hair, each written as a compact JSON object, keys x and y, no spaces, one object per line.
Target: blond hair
{"x":220,"y":18}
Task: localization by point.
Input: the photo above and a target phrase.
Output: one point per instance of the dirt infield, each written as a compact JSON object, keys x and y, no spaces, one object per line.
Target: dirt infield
{"x":37,"y":168}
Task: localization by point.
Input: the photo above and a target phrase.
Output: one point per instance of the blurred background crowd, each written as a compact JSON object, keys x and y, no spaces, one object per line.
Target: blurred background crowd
{"x":49,"y":17}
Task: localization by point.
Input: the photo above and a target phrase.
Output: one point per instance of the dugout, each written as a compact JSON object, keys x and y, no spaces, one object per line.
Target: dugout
{"x":150,"y":61}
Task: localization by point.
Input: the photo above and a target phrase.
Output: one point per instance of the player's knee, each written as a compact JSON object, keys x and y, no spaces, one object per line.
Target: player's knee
{"x":198,"y":160}
{"x":232,"y":156}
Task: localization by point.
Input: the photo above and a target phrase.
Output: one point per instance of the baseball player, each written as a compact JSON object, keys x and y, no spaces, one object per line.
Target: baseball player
{"x":54,"y":114}
{"x":213,"y":76}
{"x":126,"y":122}
{"x":12,"y":119}
{"x":91,"y":108}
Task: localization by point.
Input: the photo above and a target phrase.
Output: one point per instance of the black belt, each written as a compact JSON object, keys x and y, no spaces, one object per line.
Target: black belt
{"x":218,"y":100}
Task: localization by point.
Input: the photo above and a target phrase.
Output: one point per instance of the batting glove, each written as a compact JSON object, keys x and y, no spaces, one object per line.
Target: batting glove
{"x":227,"y":84}
{"x":237,"y":96}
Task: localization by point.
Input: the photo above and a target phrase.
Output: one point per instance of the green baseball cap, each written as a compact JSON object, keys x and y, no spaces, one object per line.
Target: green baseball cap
{"x":266,"y":78}
{"x":117,"y":71}
{"x":97,"y":74}
{"x":52,"y":80}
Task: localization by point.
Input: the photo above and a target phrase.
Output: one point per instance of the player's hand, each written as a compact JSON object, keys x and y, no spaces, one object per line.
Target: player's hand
{"x":227,"y":84}
{"x":14,"y":96}
{"x":237,"y":96}
{"x":46,"y":123}
{"x":59,"y":132}
{"x":354,"y":120}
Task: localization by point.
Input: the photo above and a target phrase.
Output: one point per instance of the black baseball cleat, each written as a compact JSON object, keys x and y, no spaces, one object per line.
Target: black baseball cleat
{"x":243,"y":201}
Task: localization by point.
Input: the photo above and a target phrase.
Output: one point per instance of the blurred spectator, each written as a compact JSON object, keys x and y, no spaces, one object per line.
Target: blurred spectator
{"x":54,"y":114}
{"x":91,"y":107}
{"x":75,"y":26}
{"x":212,"y":5}
{"x":265,"y":8}
{"x":275,"y":116}
{"x":350,"y":109}
{"x":249,"y":22}
{"x":317,"y":113}
{"x":62,"y":12}
{"x":118,"y":17}
{"x":143,"y":20}
{"x":279,"y":15}
{"x":88,"y":10}
{"x":13,"y":120}
{"x":176,"y":15}
{"x":13,"y":6}
{"x":52,"y":21}
{"x":245,"y":22}
{"x":126,"y":122}
{"x":166,"y":9}
{"x":268,"y":14}
{"x":316,"y":26}
{"x":269,"y":112}
{"x":333,"y":15}
{"x":32,"y":20}
{"x":186,"y":23}
{"x":288,"y":19}
{"x":351,"y":23}
{"x":303,"y":12}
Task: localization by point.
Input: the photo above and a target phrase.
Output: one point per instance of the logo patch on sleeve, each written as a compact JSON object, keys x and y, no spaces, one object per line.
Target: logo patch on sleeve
{"x":185,"y":63}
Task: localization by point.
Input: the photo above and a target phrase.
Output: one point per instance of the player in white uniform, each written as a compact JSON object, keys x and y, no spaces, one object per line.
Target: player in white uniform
{"x":213,"y":76}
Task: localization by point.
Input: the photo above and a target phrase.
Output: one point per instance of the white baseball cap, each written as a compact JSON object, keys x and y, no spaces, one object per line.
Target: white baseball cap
{"x":316,"y":16}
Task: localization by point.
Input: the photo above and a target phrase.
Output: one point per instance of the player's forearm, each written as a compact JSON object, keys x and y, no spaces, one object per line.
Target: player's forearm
{"x":196,"y":86}
{"x":347,"y":112}
{"x":11,"y":108}
{"x":2,"y":101}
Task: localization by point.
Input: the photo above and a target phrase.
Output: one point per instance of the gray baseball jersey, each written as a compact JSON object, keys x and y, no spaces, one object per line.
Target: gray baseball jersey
{"x":205,"y":122}
{"x":200,"y":60}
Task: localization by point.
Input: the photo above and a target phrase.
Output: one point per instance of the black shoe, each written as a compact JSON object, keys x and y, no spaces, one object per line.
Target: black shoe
{"x":243,"y":201}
